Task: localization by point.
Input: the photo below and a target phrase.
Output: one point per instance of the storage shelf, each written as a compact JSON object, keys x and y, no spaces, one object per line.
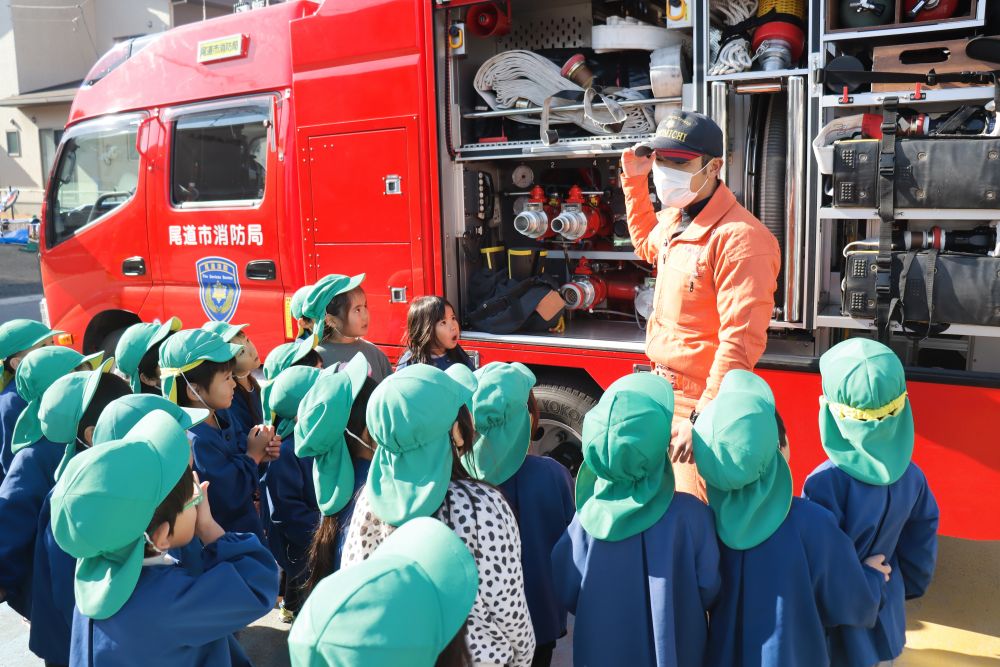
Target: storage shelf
{"x":838,"y":213}
{"x":910,"y":29}
{"x":831,"y":318}
{"x":612,"y":255}
{"x":965,"y":94}
{"x":565,"y":148}
{"x":758,"y":75}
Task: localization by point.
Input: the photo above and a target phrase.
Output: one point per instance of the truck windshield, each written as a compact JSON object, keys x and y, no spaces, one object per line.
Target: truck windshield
{"x":98,"y":171}
{"x":220,"y":155}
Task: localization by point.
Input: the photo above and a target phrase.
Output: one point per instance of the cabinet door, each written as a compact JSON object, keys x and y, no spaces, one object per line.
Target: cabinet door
{"x":363,"y":214}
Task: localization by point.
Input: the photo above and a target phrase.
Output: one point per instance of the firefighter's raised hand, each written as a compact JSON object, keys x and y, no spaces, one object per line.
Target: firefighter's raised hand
{"x":633,"y":165}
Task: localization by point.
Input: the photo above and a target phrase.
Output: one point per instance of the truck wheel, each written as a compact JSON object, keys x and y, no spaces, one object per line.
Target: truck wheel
{"x":560,"y":424}
{"x":110,"y":342}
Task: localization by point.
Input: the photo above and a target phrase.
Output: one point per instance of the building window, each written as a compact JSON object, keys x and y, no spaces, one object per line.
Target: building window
{"x":14,"y":143}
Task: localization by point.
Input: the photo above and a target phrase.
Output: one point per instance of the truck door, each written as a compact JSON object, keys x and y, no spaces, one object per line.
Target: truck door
{"x":215,"y":213}
{"x":94,"y":253}
{"x":362,"y":211}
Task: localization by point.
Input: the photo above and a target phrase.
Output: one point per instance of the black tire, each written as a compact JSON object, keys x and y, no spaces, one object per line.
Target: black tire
{"x":110,"y":342}
{"x":561,"y":411}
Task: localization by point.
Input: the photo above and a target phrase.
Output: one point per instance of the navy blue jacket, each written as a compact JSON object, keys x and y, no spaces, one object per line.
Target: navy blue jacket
{"x":22,"y":495}
{"x":541,"y":495}
{"x":291,"y":497}
{"x":176,"y":618}
{"x":219,"y":459}
{"x":11,"y":407}
{"x":245,"y":412}
{"x":899,"y":520}
{"x":444,"y":362}
{"x":780,"y":598}
{"x":52,"y":595}
{"x":642,"y":600}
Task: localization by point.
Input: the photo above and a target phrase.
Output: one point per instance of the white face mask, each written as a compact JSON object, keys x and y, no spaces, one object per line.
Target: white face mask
{"x":673,"y":186}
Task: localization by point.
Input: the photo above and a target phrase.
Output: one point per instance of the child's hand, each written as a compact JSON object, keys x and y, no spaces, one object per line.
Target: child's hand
{"x":273,"y":450}
{"x":877,"y":562}
{"x":258,"y":441}
{"x":205,"y":527}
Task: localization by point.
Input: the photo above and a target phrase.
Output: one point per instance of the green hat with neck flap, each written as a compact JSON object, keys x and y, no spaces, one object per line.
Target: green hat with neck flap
{"x":36,"y":373}
{"x":287,"y":392}
{"x":188,"y":349}
{"x":626,"y":482}
{"x":748,"y":482}
{"x":402,"y":606}
{"x":137,"y":340}
{"x":323,"y":414}
{"x":122,"y":414}
{"x":103,"y":503}
{"x":322,"y":293}
{"x":410,"y":416}
{"x":500,"y":412}
{"x":865,"y":419}
{"x":18,"y":336}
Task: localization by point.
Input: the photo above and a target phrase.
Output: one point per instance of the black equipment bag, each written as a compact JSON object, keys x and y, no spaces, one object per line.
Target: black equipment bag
{"x":928,"y":289}
{"x":504,"y":306}
{"x":943,"y":172}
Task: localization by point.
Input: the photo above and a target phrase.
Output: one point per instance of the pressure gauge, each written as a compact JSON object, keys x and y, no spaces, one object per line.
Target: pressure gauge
{"x":523,"y":176}
{"x":519,"y":204}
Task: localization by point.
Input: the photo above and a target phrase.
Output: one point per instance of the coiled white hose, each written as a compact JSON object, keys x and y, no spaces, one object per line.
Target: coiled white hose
{"x":734,"y":56}
{"x":526,"y":77}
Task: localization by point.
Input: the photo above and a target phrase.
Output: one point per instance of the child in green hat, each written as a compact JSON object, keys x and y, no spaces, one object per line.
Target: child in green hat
{"x":290,"y":499}
{"x":432,"y":334}
{"x":245,"y":410}
{"x":402,"y":606}
{"x":639,"y":565}
{"x":66,"y":418}
{"x":879,"y":497}
{"x":315,"y":475}
{"x":339,"y":307}
{"x":138,"y":353}
{"x":197,"y":368}
{"x":539,"y":490}
{"x":17,"y":339}
{"x":420,"y":420}
{"x":789,"y":573}
{"x":118,"y":509}
{"x":334,"y":444}
{"x":52,"y":597}
{"x":298,"y":300}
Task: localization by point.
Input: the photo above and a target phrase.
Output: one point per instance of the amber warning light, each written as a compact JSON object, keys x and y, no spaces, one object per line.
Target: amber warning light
{"x":223,"y":48}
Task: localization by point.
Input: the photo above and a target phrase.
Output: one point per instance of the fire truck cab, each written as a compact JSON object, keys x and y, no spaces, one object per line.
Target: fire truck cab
{"x":210,"y":171}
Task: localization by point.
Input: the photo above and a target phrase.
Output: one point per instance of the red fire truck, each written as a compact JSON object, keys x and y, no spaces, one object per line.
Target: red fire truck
{"x":210,"y":171}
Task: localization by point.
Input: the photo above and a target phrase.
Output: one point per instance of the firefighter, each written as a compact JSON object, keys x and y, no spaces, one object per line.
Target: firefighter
{"x":717,"y":269}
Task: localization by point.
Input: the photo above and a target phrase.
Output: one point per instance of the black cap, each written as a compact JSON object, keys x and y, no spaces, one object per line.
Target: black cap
{"x":684,"y":135}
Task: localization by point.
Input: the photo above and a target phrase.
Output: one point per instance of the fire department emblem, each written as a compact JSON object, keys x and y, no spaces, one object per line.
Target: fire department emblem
{"x":219,"y":287}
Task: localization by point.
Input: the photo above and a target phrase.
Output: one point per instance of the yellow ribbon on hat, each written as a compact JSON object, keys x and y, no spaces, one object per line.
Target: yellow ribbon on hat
{"x":174,"y":372}
{"x":868,"y":414}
